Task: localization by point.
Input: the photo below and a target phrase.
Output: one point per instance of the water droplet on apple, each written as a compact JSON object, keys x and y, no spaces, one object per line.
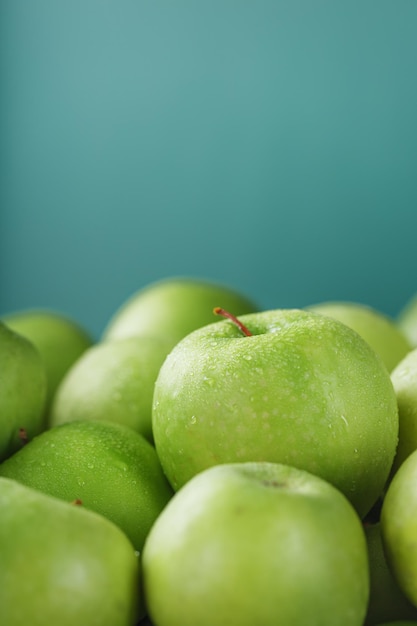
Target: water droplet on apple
{"x":193,"y":419}
{"x":345,"y":420}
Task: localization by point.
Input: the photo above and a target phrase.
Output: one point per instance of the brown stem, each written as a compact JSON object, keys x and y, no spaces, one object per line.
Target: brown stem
{"x":219,"y":311}
{"x":23,"y":436}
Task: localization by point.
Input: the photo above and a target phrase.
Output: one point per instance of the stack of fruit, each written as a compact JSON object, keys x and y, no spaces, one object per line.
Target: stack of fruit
{"x":206,"y":462}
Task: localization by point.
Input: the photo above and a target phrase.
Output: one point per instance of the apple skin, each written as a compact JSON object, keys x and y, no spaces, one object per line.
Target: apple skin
{"x":23,"y":388}
{"x":304,"y":390}
{"x":59,"y":339}
{"x":61,"y":564}
{"x":173,"y":307}
{"x":404,"y":380}
{"x":378,"y":329}
{"x":407,"y":320}
{"x":256,"y":543}
{"x":110,"y":468}
{"x":386,"y":600}
{"x":399,"y":527}
{"x":114,"y":381}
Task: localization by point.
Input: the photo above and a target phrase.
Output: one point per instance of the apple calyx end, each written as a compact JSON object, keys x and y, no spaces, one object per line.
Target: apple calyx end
{"x":219,"y":311}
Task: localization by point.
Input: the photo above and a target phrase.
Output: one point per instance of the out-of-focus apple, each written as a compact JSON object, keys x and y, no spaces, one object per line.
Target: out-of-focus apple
{"x":173,"y":307}
{"x":399,"y":527}
{"x":404,"y":380}
{"x":378,"y":329}
{"x":22,"y":391}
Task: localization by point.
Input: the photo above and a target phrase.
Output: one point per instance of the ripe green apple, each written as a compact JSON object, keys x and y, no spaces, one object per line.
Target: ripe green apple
{"x":59,"y":340}
{"x":404,"y":380}
{"x":173,"y":307}
{"x":22,"y":391}
{"x":399,"y":527}
{"x":303,"y":389}
{"x":386,"y":600}
{"x":114,"y":381}
{"x":378,"y":329}
{"x":109,"y":467}
{"x":61,"y":564}
{"x":256,"y":543}
{"x":407,"y":320}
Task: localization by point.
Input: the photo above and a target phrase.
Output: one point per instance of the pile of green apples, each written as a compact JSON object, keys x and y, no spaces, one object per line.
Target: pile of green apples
{"x":206,"y":462}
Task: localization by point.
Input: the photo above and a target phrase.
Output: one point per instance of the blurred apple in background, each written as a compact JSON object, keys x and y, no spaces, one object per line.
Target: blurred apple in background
{"x":110,"y":468}
{"x":112,"y":381}
{"x":399,"y":527}
{"x":407,"y":320}
{"x":302,"y":389}
{"x":386,"y":600}
{"x":404,"y":380}
{"x":23,"y":388}
{"x":59,"y":339}
{"x":62,"y":564}
{"x":173,"y":307}
{"x":256,"y":543}
{"x":379,"y":330}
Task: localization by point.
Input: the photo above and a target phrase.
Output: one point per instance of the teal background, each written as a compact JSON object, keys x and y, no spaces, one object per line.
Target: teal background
{"x":271,"y":145}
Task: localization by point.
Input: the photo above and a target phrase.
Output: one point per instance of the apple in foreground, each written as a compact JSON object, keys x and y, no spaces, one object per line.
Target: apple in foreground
{"x":61,"y":564}
{"x":293,"y":387}
{"x":399,"y":527}
{"x":379,"y":330}
{"x":173,"y":307}
{"x":110,"y":468}
{"x":256,"y":543}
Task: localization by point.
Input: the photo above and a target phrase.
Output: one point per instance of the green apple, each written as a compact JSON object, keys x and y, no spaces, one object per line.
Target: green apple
{"x":407,"y":320}
{"x":61,"y":564}
{"x":22,"y":391}
{"x":399,"y":527}
{"x":173,"y":307}
{"x":378,"y":329}
{"x":303,"y":389}
{"x":386,"y":600}
{"x":109,"y":467}
{"x":114,"y":381}
{"x":256,"y":543}
{"x":404,"y":380}
{"x":59,"y":339}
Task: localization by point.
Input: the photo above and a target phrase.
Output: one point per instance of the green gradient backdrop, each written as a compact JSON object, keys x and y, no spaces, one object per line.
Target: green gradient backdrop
{"x":271,"y":145}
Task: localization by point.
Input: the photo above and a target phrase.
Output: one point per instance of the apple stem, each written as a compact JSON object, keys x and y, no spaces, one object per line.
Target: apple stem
{"x":219,"y":311}
{"x":23,"y":436}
